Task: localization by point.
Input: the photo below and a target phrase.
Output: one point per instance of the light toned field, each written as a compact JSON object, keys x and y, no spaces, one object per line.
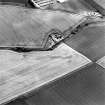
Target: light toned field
{"x":29,"y":27}
{"x":101,"y":62}
{"x":21,"y":73}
